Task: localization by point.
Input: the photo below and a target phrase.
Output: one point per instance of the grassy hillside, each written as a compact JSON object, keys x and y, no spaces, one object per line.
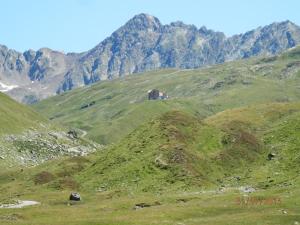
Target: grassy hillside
{"x":110,"y":110}
{"x":15,"y":117}
{"x":191,"y":159}
{"x":187,"y":170}
{"x":177,"y":151}
{"x":27,"y":138}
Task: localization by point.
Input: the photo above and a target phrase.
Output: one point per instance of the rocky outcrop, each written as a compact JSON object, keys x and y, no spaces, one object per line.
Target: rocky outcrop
{"x":33,"y":75}
{"x":33,"y":147}
{"x":142,"y":44}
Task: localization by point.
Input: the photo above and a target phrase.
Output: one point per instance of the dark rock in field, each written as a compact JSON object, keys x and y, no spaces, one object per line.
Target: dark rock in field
{"x":75,"y":196}
{"x":218,"y":85}
{"x":88,"y":105}
{"x":271,"y":156}
{"x":72,"y":134}
{"x":238,"y":178}
{"x":155,"y":94}
{"x":141,"y":205}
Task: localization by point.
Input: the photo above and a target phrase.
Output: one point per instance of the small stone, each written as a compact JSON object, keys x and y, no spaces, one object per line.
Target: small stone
{"x":75,"y":196}
{"x":141,"y":205}
{"x":271,"y":156}
{"x":238,"y":178}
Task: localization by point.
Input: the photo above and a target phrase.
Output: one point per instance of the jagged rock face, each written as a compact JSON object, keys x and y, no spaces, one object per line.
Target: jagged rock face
{"x":33,"y":75}
{"x":124,"y":51}
{"x":142,"y":44}
{"x":271,"y":39}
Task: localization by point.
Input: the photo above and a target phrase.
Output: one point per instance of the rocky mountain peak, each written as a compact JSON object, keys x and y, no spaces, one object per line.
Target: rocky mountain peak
{"x":287,"y":23}
{"x":140,"y":45}
{"x":208,"y":32}
{"x":143,"y":21}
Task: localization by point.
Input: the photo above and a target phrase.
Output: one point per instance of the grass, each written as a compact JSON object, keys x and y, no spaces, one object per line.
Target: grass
{"x":121,"y":105}
{"x":28,"y":138}
{"x":198,"y":209}
{"x":198,"y":157}
{"x":15,"y":117}
{"x":186,"y":158}
{"x":179,"y":151}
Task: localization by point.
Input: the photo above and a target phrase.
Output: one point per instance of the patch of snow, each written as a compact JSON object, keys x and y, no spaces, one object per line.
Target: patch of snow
{"x":5,"y":87}
{"x":19,"y":204}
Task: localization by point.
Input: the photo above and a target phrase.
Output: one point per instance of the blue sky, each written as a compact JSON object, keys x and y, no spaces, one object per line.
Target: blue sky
{"x":78,"y":25}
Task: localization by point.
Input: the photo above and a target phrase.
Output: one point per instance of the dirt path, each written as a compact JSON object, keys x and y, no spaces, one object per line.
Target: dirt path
{"x":84,"y":133}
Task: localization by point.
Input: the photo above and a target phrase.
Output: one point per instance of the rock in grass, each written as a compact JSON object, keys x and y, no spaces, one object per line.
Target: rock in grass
{"x":141,"y":205}
{"x":271,"y":156}
{"x":75,"y":196}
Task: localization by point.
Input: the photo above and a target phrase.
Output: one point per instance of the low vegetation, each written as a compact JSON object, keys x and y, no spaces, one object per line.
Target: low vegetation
{"x":224,"y":149}
{"x":121,"y":105}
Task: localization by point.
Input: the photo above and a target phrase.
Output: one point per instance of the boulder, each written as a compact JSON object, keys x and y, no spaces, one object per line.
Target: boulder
{"x":271,"y":156}
{"x":72,"y":134}
{"x":75,"y":196}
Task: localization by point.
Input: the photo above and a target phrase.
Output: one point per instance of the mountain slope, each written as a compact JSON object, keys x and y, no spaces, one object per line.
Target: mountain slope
{"x":178,"y":151}
{"x":142,"y":44}
{"x":15,"y":117}
{"x":193,"y":158}
{"x":27,"y":138}
{"x":110,"y":110}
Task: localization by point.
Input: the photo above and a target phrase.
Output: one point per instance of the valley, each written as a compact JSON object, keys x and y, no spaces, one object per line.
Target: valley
{"x":121,"y":105}
{"x":222,"y":149}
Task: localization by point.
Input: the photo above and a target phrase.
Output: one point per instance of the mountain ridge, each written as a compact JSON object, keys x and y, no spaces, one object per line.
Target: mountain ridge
{"x":108,"y":110}
{"x":142,"y":44}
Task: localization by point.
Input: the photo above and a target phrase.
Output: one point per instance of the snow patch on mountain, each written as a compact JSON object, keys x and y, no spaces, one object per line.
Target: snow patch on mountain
{"x":5,"y":87}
